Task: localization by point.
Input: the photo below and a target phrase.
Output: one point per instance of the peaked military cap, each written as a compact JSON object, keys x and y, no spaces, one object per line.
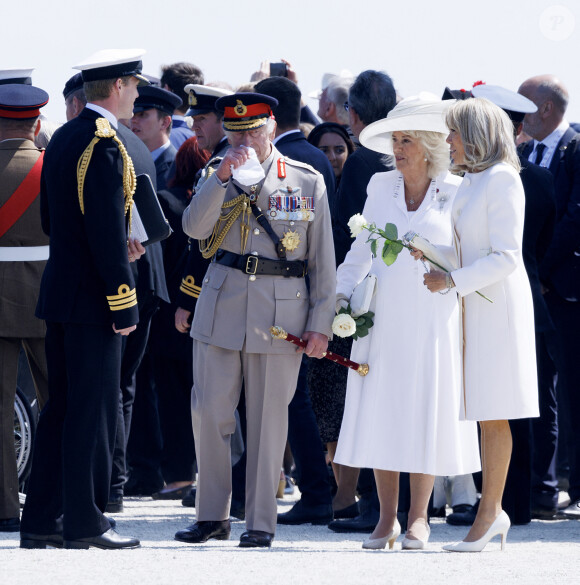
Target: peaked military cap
{"x":73,"y":84}
{"x":112,"y":64}
{"x":158,"y":98}
{"x":202,"y":98}
{"x":246,"y":111}
{"x":22,"y":76}
{"x":21,"y":101}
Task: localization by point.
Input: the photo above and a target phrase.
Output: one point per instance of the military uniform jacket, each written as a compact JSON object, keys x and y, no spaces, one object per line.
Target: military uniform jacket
{"x":195,"y":264}
{"x":20,"y":281}
{"x":87,"y":277}
{"x":235,"y":308}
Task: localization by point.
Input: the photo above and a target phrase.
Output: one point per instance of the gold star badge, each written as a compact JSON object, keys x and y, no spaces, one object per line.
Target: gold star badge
{"x":291,"y":240}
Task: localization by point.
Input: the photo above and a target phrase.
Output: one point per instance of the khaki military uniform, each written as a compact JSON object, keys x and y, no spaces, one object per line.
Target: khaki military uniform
{"x":232,"y":342}
{"x":19,"y":328}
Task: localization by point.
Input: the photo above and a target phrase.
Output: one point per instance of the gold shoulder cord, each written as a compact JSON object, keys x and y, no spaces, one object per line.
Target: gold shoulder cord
{"x":104,"y":130}
{"x":239,"y":205}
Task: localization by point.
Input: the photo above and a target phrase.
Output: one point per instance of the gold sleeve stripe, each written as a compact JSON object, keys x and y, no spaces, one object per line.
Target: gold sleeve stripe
{"x":126,"y":298}
{"x":126,"y":305}
{"x":189,"y":288}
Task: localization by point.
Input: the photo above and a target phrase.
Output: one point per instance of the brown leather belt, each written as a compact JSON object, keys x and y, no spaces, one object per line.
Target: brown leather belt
{"x":250,"y":264}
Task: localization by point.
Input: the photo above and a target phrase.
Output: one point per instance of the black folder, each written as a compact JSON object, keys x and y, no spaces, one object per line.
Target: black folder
{"x":148,"y":221}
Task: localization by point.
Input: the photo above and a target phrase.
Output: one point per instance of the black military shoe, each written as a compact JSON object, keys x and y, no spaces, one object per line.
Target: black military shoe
{"x":256,"y":539}
{"x":203,"y":530}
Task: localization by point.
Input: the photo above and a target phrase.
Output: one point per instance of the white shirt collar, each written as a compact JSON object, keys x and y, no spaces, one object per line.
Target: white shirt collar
{"x":551,"y":141}
{"x":105,"y":113}
{"x":285,"y":134}
{"x":158,"y":151}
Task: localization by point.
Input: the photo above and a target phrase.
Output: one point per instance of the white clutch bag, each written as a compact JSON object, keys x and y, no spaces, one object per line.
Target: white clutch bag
{"x":431,"y":251}
{"x":362,"y":295}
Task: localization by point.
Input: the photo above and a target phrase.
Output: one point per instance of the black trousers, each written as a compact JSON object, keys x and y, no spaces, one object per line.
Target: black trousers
{"x":173,"y":382}
{"x":71,"y":470}
{"x":307,"y":449}
{"x":566,"y":317}
{"x":134,"y":347}
{"x":544,"y":429}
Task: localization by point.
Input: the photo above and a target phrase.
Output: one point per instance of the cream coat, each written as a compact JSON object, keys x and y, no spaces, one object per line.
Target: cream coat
{"x":500,"y":380}
{"x":404,"y":415}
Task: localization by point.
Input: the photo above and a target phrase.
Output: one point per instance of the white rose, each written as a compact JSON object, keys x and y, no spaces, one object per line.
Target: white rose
{"x":356,"y":224}
{"x":343,"y":325}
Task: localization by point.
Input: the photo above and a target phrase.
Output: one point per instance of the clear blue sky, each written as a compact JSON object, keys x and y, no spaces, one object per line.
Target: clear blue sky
{"x":422,"y":44}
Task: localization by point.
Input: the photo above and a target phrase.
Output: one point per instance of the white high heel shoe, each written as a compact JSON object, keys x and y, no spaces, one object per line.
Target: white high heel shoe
{"x":379,"y":543}
{"x":416,"y":543}
{"x":500,"y":526}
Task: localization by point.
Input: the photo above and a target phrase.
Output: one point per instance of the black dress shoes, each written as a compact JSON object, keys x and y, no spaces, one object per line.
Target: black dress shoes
{"x":462,"y":515}
{"x":365,"y":522}
{"x":302,"y":513}
{"x":174,"y":494}
{"x":29,"y":540}
{"x":351,"y":511}
{"x":256,"y":539}
{"x":189,"y":499}
{"x":10,"y":525}
{"x":107,"y":540}
{"x":203,"y":530}
{"x":115,"y":504}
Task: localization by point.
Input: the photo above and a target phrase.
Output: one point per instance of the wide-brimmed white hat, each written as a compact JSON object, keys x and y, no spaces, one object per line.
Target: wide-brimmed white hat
{"x":424,"y":112}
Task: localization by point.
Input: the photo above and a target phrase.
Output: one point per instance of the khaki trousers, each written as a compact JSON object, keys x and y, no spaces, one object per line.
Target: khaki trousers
{"x":269,"y":382}
{"x":9,"y":354}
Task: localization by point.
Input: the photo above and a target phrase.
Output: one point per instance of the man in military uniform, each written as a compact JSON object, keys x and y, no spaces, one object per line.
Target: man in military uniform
{"x":88,"y":300}
{"x":207,"y":124}
{"x":23,"y":255}
{"x":283,"y":221}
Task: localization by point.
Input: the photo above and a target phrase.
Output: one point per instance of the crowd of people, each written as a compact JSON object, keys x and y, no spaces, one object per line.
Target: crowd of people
{"x":151,"y":352}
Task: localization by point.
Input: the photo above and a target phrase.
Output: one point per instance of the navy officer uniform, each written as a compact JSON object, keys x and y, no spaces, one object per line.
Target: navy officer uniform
{"x":87,"y":298}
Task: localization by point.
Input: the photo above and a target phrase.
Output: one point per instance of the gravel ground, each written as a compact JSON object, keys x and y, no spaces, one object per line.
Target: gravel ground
{"x":541,"y":552}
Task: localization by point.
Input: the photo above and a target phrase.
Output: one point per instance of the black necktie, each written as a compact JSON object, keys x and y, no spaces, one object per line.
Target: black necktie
{"x":540,"y":152}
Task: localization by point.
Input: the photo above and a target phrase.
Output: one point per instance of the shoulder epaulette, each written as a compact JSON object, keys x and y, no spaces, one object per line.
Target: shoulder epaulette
{"x":104,"y":130}
{"x":296,"y":163}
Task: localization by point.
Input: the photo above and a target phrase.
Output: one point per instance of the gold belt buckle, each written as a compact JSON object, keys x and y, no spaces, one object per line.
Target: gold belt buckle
{"x":252,"y":264}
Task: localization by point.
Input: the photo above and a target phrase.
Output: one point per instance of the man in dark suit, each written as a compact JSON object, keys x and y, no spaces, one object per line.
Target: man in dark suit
{"x":175,"y":78}
{"x":554,"y":147}
{"x":151,"y":122}
{"x":289,"y":139}
{"x":88,"y":300}
{"x":23,"y":255}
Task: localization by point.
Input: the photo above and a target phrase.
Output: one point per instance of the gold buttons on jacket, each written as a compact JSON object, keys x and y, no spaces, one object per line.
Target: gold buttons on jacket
{"x":298,"y":295}
{"x":256,"y":232}
{"x":252,"y":278}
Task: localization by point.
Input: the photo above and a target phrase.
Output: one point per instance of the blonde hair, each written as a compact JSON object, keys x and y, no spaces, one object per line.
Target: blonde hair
{"x":486,"y":132}
{"x":436,"y":150}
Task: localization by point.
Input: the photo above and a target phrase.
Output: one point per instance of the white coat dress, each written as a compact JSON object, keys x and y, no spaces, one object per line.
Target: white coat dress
{"x":500,"y":380}
{"x":404,"y":415}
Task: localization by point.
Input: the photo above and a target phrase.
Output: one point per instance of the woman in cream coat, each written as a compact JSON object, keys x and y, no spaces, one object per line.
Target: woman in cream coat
{"x":499,"y":355}
{"x":404,"y":415}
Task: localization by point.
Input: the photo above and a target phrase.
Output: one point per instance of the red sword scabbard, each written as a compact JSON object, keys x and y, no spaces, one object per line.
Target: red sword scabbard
{"x":279,"y":333}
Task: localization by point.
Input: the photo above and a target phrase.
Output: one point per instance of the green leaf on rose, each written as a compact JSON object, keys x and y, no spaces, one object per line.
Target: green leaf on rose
{"x":374,"y":247}
{"x":391,"y":231}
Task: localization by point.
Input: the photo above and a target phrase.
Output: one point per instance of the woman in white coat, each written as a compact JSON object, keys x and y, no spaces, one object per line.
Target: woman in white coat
{"x":499,"y":354}
{"x":404,"y":415}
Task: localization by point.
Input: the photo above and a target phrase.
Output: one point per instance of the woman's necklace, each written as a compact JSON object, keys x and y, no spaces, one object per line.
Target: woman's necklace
{"x":413,"y":204}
